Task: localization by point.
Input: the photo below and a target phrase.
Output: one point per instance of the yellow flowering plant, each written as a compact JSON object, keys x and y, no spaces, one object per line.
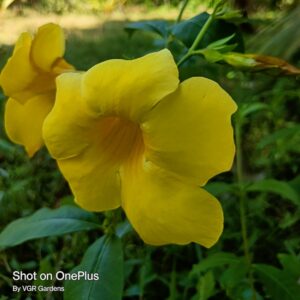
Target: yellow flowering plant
{"x":28,"y":79}
{"x":139,"y":143}
{"x":125,"y":133}
{"x":147,"y":144}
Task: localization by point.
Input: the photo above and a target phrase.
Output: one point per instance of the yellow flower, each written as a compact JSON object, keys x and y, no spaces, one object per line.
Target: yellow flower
{"x":126,"y":133}
{"x":28,"y":79}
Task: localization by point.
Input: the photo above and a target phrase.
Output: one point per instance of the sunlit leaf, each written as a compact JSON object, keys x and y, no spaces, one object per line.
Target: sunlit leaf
{"x":221,"y":42}
{"x":212,"y":55}
{"x":239,"y":60}
{"x":234,"y":16}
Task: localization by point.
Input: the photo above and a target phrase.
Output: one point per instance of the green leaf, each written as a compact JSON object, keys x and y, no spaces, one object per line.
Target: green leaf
{"x":279,"y":284}
{"x":105,"y":258}
{"x":206,"y":286}
{"x":292,"y":244}
{"x":217,"y":44}
{"x":123,"y":229}
{"x":47,"y":268}
{"x":159,"y":27}
{"x":248,"y":109}
{"x":218,"y":188}
{"x":187,"y":31}
{"x":295,"y":184}
{"x":278,"y":187}
{"x":7,"y":149}
{"x":234,"y":281}
{"x":234,"y":275}
{"x":47,"y":222}
{"x":285,"y":135}
{"x":211,"y":55}
{"x":133,"y":290}
{"x":215,"y":260}
{"x":289,"y":219}
{"x":235,"y":16}
{"x":290,"y":264}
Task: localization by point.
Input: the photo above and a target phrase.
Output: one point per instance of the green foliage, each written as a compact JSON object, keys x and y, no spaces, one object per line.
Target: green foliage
{"x":215,"y":260}
{"x":105,"y":258}
{"x":46,"y":222}
{"x":206,"y":286}
{"x":159,"y":27}
{"x":281,"y":188}
{"x":179,"y":36}
{"x":290,"y":264}
{"x":187,"y":31}
{"x":279,"y":284}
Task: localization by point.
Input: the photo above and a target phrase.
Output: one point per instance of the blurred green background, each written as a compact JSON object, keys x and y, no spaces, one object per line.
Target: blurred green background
{"x":269,"y":143}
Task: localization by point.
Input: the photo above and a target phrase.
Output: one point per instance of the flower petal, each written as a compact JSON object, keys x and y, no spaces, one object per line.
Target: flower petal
{"x":61,"y":66}
{"x":48,"y":45}
{"x":71,"y":136}
{"x":164,"y":210}
{"x":66,"y":129}
{"x":24,"y":40}
{"x":23,"y":123}
{"x":18,"y":72}
{"x":189,"y":132}
{"x":130,"y":88}
{"x":94,"y":182}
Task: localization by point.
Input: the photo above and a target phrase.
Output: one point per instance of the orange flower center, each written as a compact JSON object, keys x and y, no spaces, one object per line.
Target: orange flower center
{"x":121,"y":139}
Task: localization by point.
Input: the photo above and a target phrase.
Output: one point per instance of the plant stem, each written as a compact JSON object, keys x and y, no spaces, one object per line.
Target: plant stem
{"x":203,"y":31}
{"x":242,"y":196}
{"x":200,"y":35}
{"x":182,"y":9}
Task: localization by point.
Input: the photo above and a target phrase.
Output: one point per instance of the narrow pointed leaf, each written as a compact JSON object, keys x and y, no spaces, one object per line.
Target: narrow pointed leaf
{"x":282,"y":188}
{"x":221,"y":42}
{"x":213,"y":261}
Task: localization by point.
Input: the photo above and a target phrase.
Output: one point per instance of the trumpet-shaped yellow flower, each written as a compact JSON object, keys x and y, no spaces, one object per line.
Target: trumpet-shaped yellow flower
{"x":28,"y":79}
{"x":126,"y":133}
